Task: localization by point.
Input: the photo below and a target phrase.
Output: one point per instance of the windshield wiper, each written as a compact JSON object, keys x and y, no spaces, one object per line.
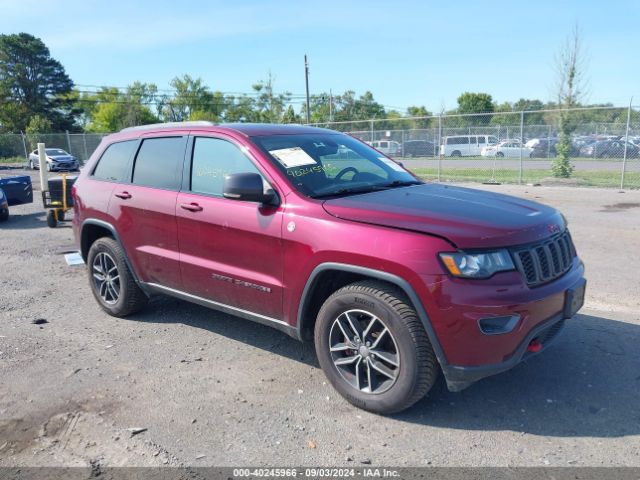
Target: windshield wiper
{"x":400,"y":183}
{"x":368,"y":188}
{"x":349,"y":191}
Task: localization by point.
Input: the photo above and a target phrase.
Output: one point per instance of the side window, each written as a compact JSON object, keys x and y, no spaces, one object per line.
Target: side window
{"x":473,"y":140}
{"x":482,"y":140}
{"x":214,"y":158}
{"x":114,"y":161}
{"x":158,"y":161}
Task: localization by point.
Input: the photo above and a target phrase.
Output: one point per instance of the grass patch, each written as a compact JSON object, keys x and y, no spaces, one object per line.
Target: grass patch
{"x":587,"y":178}
{"x":13,"y":160}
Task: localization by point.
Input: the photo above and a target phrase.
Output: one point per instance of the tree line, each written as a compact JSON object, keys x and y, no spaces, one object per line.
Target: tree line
{"x":37,"y":95}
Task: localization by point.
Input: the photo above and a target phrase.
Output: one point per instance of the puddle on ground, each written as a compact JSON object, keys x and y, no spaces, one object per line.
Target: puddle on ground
{"x":619,"y":207}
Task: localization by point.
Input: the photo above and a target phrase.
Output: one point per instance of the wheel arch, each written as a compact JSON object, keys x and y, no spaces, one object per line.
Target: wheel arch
{"x":93,"y":229}
{"x":326,"y":278}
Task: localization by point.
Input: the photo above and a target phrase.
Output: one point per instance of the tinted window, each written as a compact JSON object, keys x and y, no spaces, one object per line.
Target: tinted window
{"x":458,"y":141}
{"x":158,"y":161}
{"x":482,"y":140}
{"x":214,"y":158}
{"x":114,"y":161}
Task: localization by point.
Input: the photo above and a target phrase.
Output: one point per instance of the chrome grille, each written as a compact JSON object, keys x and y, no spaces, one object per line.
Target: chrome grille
{"x":545,"y":261}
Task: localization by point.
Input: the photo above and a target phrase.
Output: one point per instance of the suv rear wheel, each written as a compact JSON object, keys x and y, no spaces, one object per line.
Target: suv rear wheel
{"x":373,"y":348}
{"x":112,"y":284}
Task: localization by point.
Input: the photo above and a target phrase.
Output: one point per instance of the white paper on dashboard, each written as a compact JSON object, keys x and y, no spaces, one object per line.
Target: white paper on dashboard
{"x":293,"y":157}
{"x":392,"y":164}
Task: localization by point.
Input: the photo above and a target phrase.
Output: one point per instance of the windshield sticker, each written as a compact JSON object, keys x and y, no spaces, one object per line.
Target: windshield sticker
{"x":300,"y":172}
{"x":392,"y":164}
{"x":293,"y":157}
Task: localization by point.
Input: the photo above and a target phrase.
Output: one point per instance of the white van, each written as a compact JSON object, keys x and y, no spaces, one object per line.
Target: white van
{"x":388,"y":147}
{"x":466,"y":145}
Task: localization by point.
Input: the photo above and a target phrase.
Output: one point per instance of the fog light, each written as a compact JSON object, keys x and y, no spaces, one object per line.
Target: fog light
{"x":498,"y":325}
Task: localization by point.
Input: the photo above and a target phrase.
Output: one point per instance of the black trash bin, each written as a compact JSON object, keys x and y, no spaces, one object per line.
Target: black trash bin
{"x":56,"y":190}
{"x":58,"y":198}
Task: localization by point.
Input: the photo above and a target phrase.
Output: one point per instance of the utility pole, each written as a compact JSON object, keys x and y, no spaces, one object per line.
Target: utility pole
{"x":626,"y":142}
{"x":330,"y":106}
{"x":306,"y":81}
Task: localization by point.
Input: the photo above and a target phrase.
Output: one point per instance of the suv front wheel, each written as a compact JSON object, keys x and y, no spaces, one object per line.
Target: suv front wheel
{"x":373,"y":348}
{"x":112,"y":283}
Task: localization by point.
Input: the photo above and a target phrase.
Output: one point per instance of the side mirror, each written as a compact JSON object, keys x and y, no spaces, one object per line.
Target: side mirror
{"x":246,"y":187}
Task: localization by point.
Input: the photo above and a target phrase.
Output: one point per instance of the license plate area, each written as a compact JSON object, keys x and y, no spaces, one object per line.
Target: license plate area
{"x":574,"y":299}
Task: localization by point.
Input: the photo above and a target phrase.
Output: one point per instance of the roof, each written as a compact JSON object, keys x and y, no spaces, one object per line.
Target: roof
{"x":248,"y":129}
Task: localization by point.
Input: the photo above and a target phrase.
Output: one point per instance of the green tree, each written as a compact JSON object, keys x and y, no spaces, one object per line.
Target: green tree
{"x":415,"y":111}
{"x":290,"y":116}
{"x":475,"y":103}
{"x":111,"y":110}
{"x":36,"y":129}
{"x":531,"y":117}
{"x":269,"y":107}
{"x":33,"y":83}
{"x":571,"y":85}
{"x":191,"y":99}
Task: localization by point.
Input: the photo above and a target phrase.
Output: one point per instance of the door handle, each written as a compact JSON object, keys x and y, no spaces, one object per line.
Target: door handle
{"x":192,"y":207}
{"x":123,"y":195}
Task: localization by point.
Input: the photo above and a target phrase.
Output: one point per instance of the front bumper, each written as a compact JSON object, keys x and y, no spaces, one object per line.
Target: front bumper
{"x":460,"y":377}
{"x":470,"y":353}
{"x":64,"y":167}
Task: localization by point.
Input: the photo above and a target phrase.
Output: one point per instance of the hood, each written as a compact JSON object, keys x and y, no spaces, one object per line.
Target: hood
{"x":60,"y":158}
{"x":466,"y":217}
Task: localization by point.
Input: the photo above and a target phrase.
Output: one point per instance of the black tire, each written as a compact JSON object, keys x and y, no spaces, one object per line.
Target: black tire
{"x":60,"y":215}
{"x":130,"y":298}
{"x":51,"y":219}
{"x":4,"y":215}
{"x":499,"y":154}
{"x":416,"y":369}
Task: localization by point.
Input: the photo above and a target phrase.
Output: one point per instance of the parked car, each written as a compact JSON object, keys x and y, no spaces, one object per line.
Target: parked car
{"x":542,"y":147}
{"x":17,"y":189}
{"x":4,"y":207}
{"x":609,"y":149}
{"x":466,"y":145}
{"x":419,"y":148}
{"x":393,"y":279}
{"x":508,"y":148}
{"x":57,"y":160}
{"x":388,"y":147}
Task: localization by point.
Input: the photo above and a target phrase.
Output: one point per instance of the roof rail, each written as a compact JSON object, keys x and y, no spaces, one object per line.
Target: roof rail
{"x":157,"y":126}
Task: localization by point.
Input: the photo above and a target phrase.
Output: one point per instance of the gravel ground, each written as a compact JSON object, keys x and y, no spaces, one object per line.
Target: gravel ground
{"x":211,"y":389}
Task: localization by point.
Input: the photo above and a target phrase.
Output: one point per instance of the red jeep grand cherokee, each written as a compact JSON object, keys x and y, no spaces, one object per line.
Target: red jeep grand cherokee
{"x":319,"y":235}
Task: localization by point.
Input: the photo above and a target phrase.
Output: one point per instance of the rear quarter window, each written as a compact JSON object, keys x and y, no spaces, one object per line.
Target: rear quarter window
{"x":158,"y":162}
{"x":114,"y":162}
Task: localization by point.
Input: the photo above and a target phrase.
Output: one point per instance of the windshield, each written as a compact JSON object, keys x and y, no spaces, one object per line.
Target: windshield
{"x":325,"y":164}
{"x":56,"y":151}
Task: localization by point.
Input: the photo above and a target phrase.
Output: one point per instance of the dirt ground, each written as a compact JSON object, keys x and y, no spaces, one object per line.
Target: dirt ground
{"x":211,"y":389}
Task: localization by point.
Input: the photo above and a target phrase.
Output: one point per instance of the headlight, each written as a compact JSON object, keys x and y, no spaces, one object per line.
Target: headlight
{"x":477,"y":265}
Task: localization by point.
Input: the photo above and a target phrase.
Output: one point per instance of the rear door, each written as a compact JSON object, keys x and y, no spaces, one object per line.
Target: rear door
{"x":144,"y":209}
{"x":230,"y":250}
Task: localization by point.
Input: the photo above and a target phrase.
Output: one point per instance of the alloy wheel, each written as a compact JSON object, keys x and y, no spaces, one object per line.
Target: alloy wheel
{"x":364,"y":351}
{"x":106,"y":278}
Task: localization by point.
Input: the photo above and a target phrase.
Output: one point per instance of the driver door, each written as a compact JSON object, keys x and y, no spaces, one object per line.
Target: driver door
{"x":230,"y":250}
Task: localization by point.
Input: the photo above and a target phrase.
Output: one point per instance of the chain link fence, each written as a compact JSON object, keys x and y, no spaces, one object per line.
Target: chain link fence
{"x":511,"y":147}
{"x":502,"y":147}
{"x":15,"y":148}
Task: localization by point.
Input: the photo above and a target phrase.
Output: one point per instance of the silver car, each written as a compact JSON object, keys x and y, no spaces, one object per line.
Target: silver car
{"x":57,"y":160}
